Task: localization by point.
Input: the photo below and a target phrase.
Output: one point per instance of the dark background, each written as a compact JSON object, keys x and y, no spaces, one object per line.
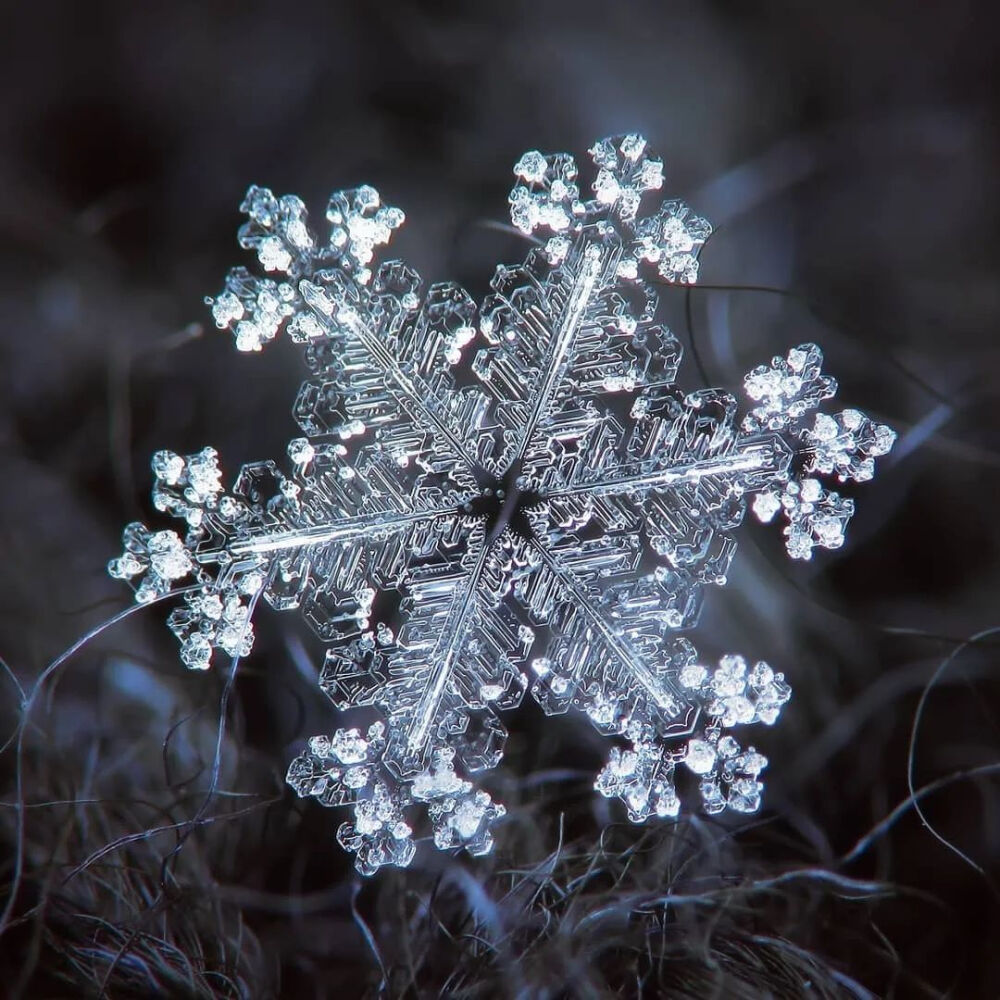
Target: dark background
{"x":847,"y":155}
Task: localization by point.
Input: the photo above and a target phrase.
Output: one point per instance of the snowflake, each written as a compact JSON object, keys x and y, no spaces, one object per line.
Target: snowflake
{"x":496,"y":499}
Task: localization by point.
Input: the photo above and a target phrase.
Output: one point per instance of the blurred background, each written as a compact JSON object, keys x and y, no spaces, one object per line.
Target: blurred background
{"x":848,"y":159}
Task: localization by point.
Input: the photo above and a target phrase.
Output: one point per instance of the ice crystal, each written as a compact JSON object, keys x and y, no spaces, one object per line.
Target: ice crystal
{"x":496,"y":499}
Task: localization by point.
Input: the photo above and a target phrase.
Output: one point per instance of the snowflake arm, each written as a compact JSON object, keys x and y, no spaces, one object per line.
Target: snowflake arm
{"x":595,"y":626}
{"x":418,"y":711}
{"x":362,"y":329}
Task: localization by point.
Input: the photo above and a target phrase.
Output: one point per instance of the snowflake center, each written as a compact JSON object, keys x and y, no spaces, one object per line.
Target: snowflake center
{"x":504,"y":504}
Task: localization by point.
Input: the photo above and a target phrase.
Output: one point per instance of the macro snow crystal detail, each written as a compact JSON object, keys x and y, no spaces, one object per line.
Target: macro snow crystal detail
{"x":496,"y":499}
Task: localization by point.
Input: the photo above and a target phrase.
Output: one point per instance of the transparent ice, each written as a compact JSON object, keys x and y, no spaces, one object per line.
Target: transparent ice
{"x":492,"y":499}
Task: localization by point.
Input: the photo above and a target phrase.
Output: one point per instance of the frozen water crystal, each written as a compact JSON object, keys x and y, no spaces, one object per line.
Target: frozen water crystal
{"x":486,"y":500}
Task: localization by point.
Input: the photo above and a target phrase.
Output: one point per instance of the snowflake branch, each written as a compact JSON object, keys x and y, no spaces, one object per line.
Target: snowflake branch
{"x":769,"y":457}
{"x":559,"y":351}
{"x":453,"y":636}
{"x":416,"y":397}
{"x":671,"y":703}
{"x":349,"y":529}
